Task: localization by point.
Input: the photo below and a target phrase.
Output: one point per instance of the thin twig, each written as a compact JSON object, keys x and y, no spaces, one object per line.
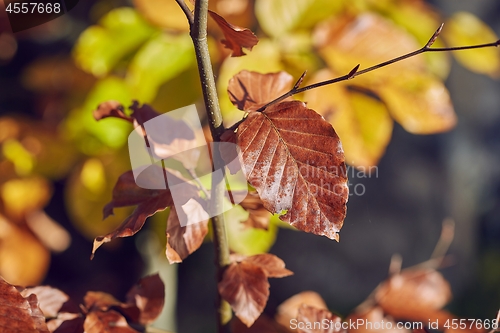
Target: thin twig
{"x":355,"y":72}
{"x":187,"y":11}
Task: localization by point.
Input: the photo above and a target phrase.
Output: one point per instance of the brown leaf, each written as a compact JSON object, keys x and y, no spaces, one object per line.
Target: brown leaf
{"x":258,"y":215}
{"x":149,"y":296}
{"x":66,"y":323}
{"x":249,"y":91}
{"x":148,"y":202}
{"x":412,"y":294}
{"x":182,"y":241}
{"x":236,"y":37}
{"x":18,"y":313}
{"x":111,"y":109}
{"x":294,"y":159}
{"x":289,"y":309}
{"x":98,"y":300}
{"x":272,"y":265}
{"x":245,"y":287}
{"x":51,"y":299}
{"x":110,"y":322}
{"x":309,"y":316}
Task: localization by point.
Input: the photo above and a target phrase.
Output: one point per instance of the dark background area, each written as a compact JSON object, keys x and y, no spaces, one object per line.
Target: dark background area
{"x":421,"y":180}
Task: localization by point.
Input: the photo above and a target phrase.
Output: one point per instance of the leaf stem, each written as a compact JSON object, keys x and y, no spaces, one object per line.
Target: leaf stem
{"x":199,"y":37}
{"x":355,"y":72}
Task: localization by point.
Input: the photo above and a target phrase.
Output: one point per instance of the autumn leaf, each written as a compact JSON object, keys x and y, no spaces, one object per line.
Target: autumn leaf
{"x":110,"y":109}
{"x":109,"y":321}
{"x":413,"y":294}
{"x":289,"y":309}
{"x":258,"y":215}
{"x":249,"y":91}
{"x":148,"y":202}
{"x":272,"y":265}
{"x":183,"y":240}
{"x":244,"y":284}
{"x":294,"y":159}
{"x":245,"y":287}
{"x":149,"y":296}
{"x":51,"y":299}
{"x":236,"y":37}
{"x":308,"y":315}
{"x":18,"y":312}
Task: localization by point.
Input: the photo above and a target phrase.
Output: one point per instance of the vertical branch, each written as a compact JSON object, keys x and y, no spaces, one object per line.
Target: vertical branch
{"x":199,"y":37}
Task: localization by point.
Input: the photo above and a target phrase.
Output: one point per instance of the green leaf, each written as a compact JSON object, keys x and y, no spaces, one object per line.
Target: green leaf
{"x":90,"y":134}
{"x":466,"y":29}
{"x":245,"y":240}
{"x":278,"y":17}
{"x":100,"y":47}
{"x":159,"y":60}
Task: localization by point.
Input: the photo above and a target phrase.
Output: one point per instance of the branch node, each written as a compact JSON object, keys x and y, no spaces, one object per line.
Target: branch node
{"x":434,"y":36}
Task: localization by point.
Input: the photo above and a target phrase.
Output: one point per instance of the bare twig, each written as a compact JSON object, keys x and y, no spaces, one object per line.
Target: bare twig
{"x":187,"y":11}
{"x":355,"y":72}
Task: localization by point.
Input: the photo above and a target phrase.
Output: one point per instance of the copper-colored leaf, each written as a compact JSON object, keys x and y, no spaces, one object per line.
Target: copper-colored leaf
{"x":294,"y":159}
{"x":18,"y":313}
{"x":245,"y":287}
{"x":309,"y":316}
{"x":249,"y":91}
{"x":289,"y":309}
{"x":148,"y":202}
{"x":98,"y":300}
{"x":182,"y":241}
{"x":111,"y":109}
{"x":66,"y":323}
{"x":149,"y":296}
{"x":412,"y":294}
{"x":272,"y":265}
{"x":236,"y":37}
{"x":258,"y":215}
{"x":110,"y":322}
{"x":51,"y":299}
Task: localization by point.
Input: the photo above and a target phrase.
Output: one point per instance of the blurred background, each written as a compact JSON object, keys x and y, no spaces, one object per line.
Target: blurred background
{"x":58,"y":165}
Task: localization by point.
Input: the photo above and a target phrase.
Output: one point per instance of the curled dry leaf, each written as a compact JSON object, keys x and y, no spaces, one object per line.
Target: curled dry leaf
{"x":245,"y":287}
{"x":289,"y":309}
{"x":249,"y":91}
{"x":272,"y":265}
{"x":294,"y":159}
{"x":182,"y":241}
{"x":413,"y":294}
{"x":148,"y":202}
{"x":19,"y":313}
{"x":309,"y":316}
{"x":258,"y":215}
{"x":111,"y":109}
{"x":109,"y":321}
{"x":149,"y":296}
{"x":51,"y":299}
{"x":236,"y":37}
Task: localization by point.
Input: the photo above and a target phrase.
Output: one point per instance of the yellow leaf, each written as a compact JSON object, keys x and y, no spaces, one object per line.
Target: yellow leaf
{"x":362,"y":122}
{"x":466,"y":29}
{"x":419,"y":102}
